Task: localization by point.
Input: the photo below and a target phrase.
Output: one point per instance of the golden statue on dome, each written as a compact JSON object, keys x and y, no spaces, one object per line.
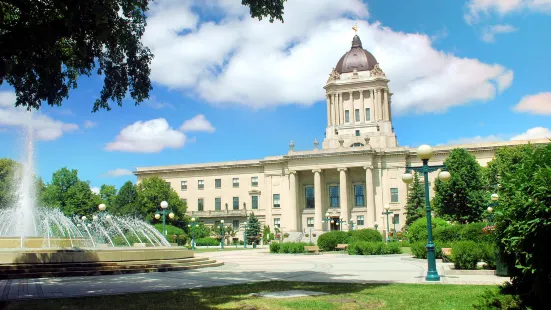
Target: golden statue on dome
{"x":355,"y":28}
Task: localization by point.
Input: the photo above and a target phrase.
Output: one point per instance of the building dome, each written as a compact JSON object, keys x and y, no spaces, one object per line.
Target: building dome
{"x":357,"y":58}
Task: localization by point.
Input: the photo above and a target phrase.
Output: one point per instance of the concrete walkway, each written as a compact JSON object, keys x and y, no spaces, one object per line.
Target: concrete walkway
{"x":244,"y":267}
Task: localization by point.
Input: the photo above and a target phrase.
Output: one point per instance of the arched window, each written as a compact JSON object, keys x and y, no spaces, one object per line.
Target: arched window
{"x":357,"y":145}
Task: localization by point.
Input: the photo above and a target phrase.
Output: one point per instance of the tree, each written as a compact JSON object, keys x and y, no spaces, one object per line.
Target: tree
{"x":126,"y":201}
{"x":8,"y":192}
{"x":151,"y":192}
{"x":71,"y":195}
{"x":463,"y":198}
{"x":108,"y":194}
{"x":254,"y":229}
{"x":46,"y":45}
{"x":415,"y":206}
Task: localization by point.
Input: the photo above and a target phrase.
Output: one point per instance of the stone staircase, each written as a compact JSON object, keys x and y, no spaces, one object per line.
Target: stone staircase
{"x":42,"y":270}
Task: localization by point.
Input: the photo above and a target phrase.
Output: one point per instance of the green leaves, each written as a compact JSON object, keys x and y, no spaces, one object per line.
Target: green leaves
{"x":415,"y":206}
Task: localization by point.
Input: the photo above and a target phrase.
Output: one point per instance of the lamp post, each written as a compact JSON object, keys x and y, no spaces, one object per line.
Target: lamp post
{"x":163,"y":211}
{"x":351,"y":224}
{"x":245,"y":236}
{"x":327,"y":219}
{"x":223,"y":233}
{"x":493,"y":204}
{"x":394,"y":227}
{"x":387,"y":212}
{"x":376,"y":226}
{"x":424,"y":152}
{"x":192,"y":225}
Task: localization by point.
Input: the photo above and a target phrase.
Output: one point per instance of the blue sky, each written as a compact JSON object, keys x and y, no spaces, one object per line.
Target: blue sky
{"x":461,"y":71}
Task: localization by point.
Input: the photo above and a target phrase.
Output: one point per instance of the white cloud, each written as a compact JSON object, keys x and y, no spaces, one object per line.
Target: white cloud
{"x":118,"y":172}
{"x":95,"y":190}
{"x":45,"y":128}
{"x":197,"y":123}
{"x":535,"y":104}
{"x":89,"y":124}
{"x":151,"y":136}
{"x":534,"y":133}
{"x":152,"y":102}
{"x":244,"y":61}
{"x":490,"y":32}
{"x":530,"y":134}
{"x":476,"y":8}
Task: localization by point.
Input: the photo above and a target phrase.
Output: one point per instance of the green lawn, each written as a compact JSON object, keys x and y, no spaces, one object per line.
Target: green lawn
{"x":226,"y":248}
{"x":341,"y":296}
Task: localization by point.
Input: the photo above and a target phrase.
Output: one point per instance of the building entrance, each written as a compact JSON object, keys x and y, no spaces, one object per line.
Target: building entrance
{"x":334,"y":225}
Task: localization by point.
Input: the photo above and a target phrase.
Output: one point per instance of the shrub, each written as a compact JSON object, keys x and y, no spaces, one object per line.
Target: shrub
{"x":369,"y":235}
{"x":207,"y":242}
{"x":373,"y":248}
{"x":329,"y":240}
{"x":489,"y":252}
{"x":274,"y":247}
{"x":473,"y":232}
{"x":449,"y":233}
{"x":170,"y":230}
{"x":493,"y":300}
{"x":466,"y":254}
{"x":419,"y":249}
{"x":182,"y":239}
{"x":288,"y":247}
{"x":417,"y":231}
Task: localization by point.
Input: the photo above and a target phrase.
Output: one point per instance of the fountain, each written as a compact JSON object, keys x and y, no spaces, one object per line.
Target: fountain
{"x":37,"y":241}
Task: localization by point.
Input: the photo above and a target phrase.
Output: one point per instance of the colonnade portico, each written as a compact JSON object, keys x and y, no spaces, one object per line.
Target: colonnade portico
{"x":322,"y":200}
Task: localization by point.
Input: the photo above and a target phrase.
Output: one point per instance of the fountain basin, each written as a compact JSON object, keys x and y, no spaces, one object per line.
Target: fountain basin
{"x":41,"y":242}
{"x":91,"y":255}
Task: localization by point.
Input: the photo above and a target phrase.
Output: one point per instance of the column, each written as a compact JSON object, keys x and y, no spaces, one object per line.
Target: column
{"x":318,"y":211}
{"x":382,"y":103}
{"x":374,"y":102}
{"x":370,"y":197}
{"x":387,"y":105}
{"x":293,"y":214}
{"x":341,"y":108}
{"x":328,"y":110}
{"x":352,"y":109}
{"x":363,"y":106}
{"x":333,"y":109}
{"x":343,"y":193}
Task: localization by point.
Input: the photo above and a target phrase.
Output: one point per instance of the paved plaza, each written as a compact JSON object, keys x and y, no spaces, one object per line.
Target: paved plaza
{"x":244,"y":267}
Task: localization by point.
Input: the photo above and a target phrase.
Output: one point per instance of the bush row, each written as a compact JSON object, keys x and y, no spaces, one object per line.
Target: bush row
{"x":207,"y":242}
{"x":373,"y":248}
{"x":329,"y":240}
{"x":288,"y":247}
{"x":445,"y":232}
{"x":465,"y":254}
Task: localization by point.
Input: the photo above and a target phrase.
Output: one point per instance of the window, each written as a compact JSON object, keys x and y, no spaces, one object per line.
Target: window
{"x":276,"y":222}
{"x":310,"y":222}
{"x":235,"y":224}
{"x":347,"y":116}
{"x":235,"y":182}
{"x":396,"y":219}
{"x":393,"y":195}
{"x":357,"y":145}
{"x":183,"y":185}
{"x":309,"y":194}
{"x":254,"y":202}
{"x":367,"y":114}
{"x":217,"y":204}
{"x":201,"y":184}
{"x":276,"y":201}
{"x":254,"y":181}
{"x":218,"y":183}
{"x":360,"y":220}
{"x":236,"y":203}
{"x":200,"y":204}
{"x":359,"y":195}
{"x":357,"y":133}
{"x":333,"y":196}
{"x":357,"y":115}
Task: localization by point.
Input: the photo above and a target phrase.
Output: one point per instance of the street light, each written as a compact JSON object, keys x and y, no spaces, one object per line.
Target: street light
{"x":387,"y":212}
{"x":376,"y":226}
{"x":493,"y":204}
{"x":424,"y":152}
{"x":193,"y":223}
{"x":245,"y":236}
{"x":351,"y":224}
{"x":223,"y":233}
{"x":163,"y":211}
{"x":394,"y":227}
{"x":327,"y":219}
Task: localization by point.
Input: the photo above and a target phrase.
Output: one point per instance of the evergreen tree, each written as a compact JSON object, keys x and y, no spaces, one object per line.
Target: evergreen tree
{"x":126,"y":201}
{"x":463,"y":198}
{"x":254,"y":229}
{"x":415,"y":206}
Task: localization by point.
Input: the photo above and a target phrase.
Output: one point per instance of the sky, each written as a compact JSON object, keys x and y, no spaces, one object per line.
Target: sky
{"x":229,"y":87}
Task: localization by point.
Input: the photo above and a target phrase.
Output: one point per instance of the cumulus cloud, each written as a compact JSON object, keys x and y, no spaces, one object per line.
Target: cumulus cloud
{"x":119,"y":172}
{"x":197,"y":123}
{"x":476,"y":8}
{"x":151,"y":136}
{"x":44,"y":127}
{"x":490,"y":32}
{"x":90,"y":124}
{"x":240,"y":60}
{"x":95,"y":190}
{"x":539,"y":104}
{"x":531,"y":134}
{"x":152,"y":102}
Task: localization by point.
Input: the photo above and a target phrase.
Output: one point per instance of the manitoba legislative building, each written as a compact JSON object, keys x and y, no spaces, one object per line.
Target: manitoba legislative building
{"x":350,"y":177}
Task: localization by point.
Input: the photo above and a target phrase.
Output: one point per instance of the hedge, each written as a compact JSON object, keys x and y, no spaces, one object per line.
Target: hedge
{"x":373,"y":248}
{"x":417,"y":231}
{"x":207,"y":242}
{"x":288,"y":247}
{"x":329,"y":240}
{"x":419,"y":249}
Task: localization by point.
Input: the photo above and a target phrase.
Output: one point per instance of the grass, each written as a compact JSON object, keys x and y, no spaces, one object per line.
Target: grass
{"x":340,"y":296}
{"x":226,"y":248}
{"x":406,"y":250}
